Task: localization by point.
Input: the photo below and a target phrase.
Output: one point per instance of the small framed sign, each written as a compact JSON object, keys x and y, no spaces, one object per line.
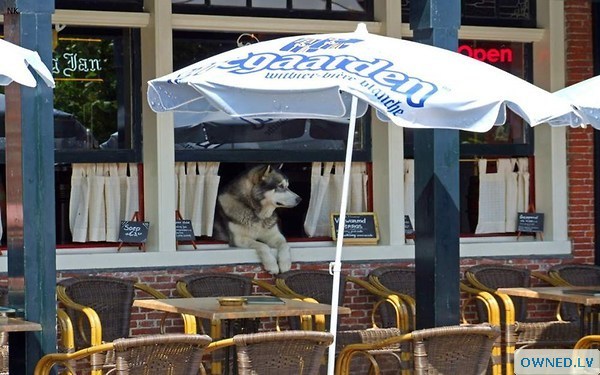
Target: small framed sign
{"x":134,"y":232}
{"x":361,"y":228}
{"x":530,"y":222}
{"x":184,"y":230}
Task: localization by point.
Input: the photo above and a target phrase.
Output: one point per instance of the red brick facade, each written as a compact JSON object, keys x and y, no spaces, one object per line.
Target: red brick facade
{"x":579,"y":62}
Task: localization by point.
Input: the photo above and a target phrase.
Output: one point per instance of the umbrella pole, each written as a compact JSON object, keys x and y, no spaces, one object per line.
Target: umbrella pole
{"x":335,"y":267}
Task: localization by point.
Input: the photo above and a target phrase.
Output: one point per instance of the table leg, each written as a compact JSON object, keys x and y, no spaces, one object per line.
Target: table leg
{"x":215,"y":333}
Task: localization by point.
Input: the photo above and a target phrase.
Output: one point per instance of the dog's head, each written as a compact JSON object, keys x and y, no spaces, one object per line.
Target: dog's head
{"x":271,"y":187}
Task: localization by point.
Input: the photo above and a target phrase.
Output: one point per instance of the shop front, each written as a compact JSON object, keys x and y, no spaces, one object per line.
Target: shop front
{"x":131,"y":164}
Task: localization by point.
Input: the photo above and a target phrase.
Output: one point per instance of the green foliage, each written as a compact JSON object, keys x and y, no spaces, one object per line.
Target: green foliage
{"x":86,"y":83}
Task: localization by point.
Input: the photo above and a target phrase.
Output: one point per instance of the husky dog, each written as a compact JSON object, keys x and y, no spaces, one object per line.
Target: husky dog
{"x":246,"y":215}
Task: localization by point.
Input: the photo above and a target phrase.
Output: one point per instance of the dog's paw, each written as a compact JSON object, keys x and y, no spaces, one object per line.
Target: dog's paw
{"x":284,"y":258}
{"x":271,"y":267}
{"x":285,"y":263}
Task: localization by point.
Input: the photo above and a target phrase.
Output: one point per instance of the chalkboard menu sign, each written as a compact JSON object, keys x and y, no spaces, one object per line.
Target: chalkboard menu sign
{"x":133,"y":232}
{"x":360,"y":228}
{"x":530,"y":222}
{"x":184,"y":230}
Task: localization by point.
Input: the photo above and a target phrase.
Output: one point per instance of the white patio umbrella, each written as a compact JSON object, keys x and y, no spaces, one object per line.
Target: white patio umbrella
{"x":15,"y":64}
{"x":317,"y":76}
{"x":585,"y":96}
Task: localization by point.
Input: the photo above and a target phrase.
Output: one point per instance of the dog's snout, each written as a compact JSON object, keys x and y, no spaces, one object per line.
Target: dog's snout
{"x":298,"y":199}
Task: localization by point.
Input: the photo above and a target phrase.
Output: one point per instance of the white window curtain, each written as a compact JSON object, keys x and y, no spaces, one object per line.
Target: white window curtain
{"x":409,"y":190}
{"x":326,"y":193}
{"x":129,"y":187}
{"x":523,"y":185}
{"x":498,"y":197}
{"x":96,"y":205}
{"x":197,"y":186}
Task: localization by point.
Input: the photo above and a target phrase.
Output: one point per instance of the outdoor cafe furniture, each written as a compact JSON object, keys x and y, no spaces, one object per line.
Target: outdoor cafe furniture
{"x":210,"y":308}
{"x":11,"y":324}
{"x":588,"y":298}
{"x":588,"y":342}
{"x":278,"y":352}
{"x":316,"y":286}
{"x":399,"y":281}
{"x":518,"y":330}
{"x":461,"y":349}
{"x":574,"y":274}
{"x":212,"y":284}
{"x":99,"y":308}
{"x":168,"y":354}
{"x":489,"y":302}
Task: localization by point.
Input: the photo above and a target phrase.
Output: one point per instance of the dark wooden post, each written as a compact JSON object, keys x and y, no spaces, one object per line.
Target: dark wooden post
{"x":437,"y":258}
{"x":30,"y":216}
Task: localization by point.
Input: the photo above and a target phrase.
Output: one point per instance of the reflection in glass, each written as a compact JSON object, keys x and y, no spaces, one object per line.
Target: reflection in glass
{"x":88,"y":68}
{"x":69,"y":133}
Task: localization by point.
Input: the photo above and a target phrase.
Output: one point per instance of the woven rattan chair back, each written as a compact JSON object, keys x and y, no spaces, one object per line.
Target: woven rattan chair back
{"x":449,"y":350}
{"x":111,"y":298}
{"x":577,"y":275}
{"x":160,"y":354}
{"x":217,"y":284}
{"x":453,"y":350}
{"x":501,"y":276}
{"x":281,"y":353}
{"x":315,"y":284}
{"x":396,"y":279}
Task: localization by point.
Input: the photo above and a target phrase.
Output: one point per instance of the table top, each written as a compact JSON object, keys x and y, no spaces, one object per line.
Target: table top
{"x":209,"y":308}
{"x":561,"y":293}
{"x":18,"y":325}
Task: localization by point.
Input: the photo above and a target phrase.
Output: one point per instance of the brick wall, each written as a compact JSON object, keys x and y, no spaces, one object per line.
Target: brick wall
{"x":579,"y":61}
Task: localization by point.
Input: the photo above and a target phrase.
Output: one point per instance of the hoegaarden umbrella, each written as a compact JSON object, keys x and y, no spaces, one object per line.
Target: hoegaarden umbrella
{"x":331,"y":76}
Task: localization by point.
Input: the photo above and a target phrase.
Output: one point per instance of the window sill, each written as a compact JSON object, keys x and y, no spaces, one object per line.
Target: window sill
{"x":186,"y":256}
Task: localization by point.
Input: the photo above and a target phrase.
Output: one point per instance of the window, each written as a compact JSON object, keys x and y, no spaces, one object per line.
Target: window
{"x":113,"y":5}
{"x":512,"y":140}
{"x":515,"y":13}
{"x":319,"y":9}
{"x":95,"y":73}
{"x":241,"y":143}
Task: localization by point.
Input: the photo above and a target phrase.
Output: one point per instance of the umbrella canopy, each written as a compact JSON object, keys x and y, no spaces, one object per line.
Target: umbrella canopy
{"x":339,"y":76}
{"x":410,"y":84}
{"x":15,"y":63}
{"x":584,"y":96}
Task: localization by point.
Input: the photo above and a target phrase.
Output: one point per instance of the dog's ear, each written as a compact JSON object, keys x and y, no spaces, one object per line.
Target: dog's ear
{"x":280,"y":166}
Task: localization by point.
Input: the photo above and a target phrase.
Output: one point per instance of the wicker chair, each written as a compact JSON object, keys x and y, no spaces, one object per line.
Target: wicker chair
{"x":573,"y":275}
{"x":315,"y":285}
{"x":168,"y":354}
{"x":99,"y":308}
{"x":519,"y":331}
{"x":588,"y":342}
{"x":464,"y":350}
{"x":398,"y":281}
{"x":284,"y":352}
